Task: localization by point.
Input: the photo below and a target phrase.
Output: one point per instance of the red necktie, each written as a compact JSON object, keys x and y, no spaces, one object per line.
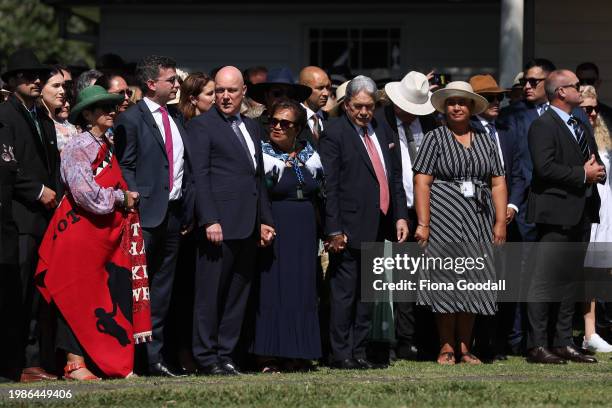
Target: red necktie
{"x":379,"y":170}
{"x":168,"y":144}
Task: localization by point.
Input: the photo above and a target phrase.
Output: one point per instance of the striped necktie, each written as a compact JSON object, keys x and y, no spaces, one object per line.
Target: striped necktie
{"x":580,"y":137}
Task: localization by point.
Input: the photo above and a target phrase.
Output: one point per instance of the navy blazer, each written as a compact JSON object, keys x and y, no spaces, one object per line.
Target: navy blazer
{"x":559,"y":195}
{"x":515,"y":177}
{"x":228,"y":190}
{"x":141,"y":152}
{"x":352,"y":191}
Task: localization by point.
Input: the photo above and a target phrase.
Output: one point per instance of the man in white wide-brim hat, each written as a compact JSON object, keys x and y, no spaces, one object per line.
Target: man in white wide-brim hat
{"x":410,"y":117}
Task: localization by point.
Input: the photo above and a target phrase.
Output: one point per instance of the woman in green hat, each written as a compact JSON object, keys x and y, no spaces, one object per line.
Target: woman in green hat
{"x":92,"y":263}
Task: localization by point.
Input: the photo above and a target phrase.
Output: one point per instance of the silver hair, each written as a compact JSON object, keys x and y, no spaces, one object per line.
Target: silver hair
{"x":358,"y":84}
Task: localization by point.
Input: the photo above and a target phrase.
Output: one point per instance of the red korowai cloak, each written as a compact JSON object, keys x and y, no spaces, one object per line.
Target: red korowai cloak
{"x":94,"y":268}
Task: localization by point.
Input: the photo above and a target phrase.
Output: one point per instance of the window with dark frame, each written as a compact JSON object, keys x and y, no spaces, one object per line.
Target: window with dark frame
{"x":357,"y":48}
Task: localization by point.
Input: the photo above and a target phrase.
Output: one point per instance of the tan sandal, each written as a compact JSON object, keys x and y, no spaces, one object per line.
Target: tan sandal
{"x":446,"y":358}
{"x":471,"y":359}
{"x":72,"y":367}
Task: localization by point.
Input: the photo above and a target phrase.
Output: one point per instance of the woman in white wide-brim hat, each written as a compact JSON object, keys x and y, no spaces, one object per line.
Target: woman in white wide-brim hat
{"x":460,"y":197}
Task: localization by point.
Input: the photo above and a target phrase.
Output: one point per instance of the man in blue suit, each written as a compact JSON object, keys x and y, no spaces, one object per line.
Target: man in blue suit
{"x":365,"y":202}
{"x":150,"y":143}
{"x":493,"y":332}
{"x":233,"y":216}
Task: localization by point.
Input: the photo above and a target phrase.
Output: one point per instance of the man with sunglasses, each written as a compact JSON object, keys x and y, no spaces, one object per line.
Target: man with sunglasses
{"x":36,"y":195}
{"x":492,"y":332}
{"x":149,"y":140}
{"x":116,"y":84}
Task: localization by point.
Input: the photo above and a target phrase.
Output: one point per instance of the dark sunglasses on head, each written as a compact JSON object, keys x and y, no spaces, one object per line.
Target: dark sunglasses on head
{"x":126,"y":92}
{"x":284,"y":124}
{"x":590,"y":109}
{"x":588,"y":81}
{"x":494,"y":97}
{"x":533,"y":82}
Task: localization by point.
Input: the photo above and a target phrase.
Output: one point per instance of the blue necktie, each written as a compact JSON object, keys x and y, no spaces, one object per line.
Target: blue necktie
{"x":584,"y":147}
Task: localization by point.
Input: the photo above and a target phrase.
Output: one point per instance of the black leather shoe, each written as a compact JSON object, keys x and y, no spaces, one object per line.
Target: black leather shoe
{"x":162,"y":370}
{"x":212,"y":369}
{"x":571,"y":353}
{"x":542,"y":355}
{"x":368,"y":365}
{"x":231,"y":368}
{"x":346,"y":364}
{"x":407,"y":352}
{"x":499,"y":357}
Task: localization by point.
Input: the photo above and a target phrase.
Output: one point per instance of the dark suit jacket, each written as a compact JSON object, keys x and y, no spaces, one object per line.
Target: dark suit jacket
{"x":228,"y":190}
{"x":558,"y":193}
{"x":142,"y":155}
{"x":9,"y":167}
{"x":352,"y":190}
{"x":515,"y":177}
{"x":40,"y":165}
{"x":306,"y":133}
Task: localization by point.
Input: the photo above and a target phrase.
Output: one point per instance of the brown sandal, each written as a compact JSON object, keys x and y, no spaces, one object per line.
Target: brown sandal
{"x":449,"y":358}
{"x":71,"y":367}
{"x":471,"y":359}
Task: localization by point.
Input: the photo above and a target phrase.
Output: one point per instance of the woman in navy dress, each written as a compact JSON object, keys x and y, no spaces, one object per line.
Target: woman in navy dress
{"x":287,"y":333}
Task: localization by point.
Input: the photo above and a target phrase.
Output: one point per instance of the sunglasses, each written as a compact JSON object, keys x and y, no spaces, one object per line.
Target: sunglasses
{"x":588,"y":81}
{"x":126,"y":92}
{"x":284,"y":124}
{"x":590,"y":109}
{"x":495,"y":97}
{"x":576,"y":86}
{"x":533,"y":82}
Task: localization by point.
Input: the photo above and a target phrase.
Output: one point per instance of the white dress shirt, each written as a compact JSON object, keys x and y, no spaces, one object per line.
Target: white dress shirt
{"x":178,"y":149}
{"x":375,"y":140}
{"x":417,"y":132}
{"x":247,"y":137}
{"x":309,"y":118}
{"x":407,"y":174}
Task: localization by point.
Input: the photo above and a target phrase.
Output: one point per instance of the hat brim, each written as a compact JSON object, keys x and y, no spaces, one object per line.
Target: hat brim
{"x":418,"y":109}
{"x":43,"y":70}
{"x":495,"y":90}
{"x":79,"y":107}
{"x":298,"y":93}
{"x":441,"y":95}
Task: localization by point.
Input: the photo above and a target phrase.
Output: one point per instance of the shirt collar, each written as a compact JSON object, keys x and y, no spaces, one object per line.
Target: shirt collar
{"x":563,"y":115}
{"x":310,"y":113}
{"x":484,"y":121}
{"x":153,"y":106}
{"x":360,"y":129}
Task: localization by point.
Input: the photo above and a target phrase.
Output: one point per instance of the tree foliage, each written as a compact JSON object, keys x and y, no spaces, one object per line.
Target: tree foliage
{"x":32,"y":24}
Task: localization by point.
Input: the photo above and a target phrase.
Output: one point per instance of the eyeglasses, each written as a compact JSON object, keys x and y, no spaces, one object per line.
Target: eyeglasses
{"x":588,"y":81}
{"x":494,"y":97}
{"x":590,"y":109}
{"x":125,"y":92}
{"x":533,"y":82}
{"x":576,"y":86}
{"x":171,"y":80}
{"x":284,"y":123}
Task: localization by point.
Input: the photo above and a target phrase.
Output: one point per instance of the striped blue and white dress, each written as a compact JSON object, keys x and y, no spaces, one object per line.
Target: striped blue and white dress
{"x":455,"y":218}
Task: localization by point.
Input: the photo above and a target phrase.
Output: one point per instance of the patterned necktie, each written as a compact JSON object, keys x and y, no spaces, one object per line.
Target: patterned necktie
{"x":316,"y":127}
{"x":168,"y":144}
{"x":492,"y":132}
{"x":379,"y":170}
{"x":579,"y":132}
{"x":234,"y":124}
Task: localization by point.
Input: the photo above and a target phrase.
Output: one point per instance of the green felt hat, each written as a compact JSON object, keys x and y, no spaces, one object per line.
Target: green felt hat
{"x":92,"y":95}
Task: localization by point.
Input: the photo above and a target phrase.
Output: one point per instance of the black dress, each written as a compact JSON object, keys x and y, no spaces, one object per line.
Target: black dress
{"x":287,"y":321}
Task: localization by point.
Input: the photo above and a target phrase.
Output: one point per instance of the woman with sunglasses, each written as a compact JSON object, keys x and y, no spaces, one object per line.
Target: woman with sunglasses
{"x":89,"y":251}
{"x":54,"y":98}
{"x":286,"y":335}
{"x":598,"y":259}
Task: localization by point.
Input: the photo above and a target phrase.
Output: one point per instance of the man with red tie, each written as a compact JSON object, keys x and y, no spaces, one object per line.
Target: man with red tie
{"x":149,"y":142}
{"x":365,"y":202}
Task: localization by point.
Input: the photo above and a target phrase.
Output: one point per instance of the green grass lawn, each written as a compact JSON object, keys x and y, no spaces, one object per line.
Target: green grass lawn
{"x":405,"y":384}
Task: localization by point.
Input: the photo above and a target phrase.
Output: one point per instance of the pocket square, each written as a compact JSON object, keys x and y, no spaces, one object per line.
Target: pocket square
{"x":391,"y":145}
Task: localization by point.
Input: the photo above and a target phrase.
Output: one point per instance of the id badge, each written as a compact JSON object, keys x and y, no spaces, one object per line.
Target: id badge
{"x":467,"y":189}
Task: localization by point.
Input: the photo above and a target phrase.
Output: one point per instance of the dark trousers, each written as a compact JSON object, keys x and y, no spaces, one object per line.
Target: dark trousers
{"x":222,"y":284}
{"x":65,"y":340}
{"x":11,"y":355}
{"x":161,"y":245}
{"x":405,"y":312}
{"x":38,"y":328}
{"x":350,"y":318}
{"x":557,"y":272}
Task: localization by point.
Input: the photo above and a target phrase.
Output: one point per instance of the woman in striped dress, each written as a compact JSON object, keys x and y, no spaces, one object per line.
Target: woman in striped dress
{"x":460,"y":197}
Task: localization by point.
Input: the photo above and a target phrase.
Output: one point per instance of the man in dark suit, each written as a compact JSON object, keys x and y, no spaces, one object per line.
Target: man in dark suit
{"x":366,"y":202}
{"x":36,"y":195}
{"x":492,"y":333}
{"x":150,"y":143}
{"x":409,"y":116}
{"x":317,"y":80}
{"x":563,"y":202}
{"x":233,"y":216}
